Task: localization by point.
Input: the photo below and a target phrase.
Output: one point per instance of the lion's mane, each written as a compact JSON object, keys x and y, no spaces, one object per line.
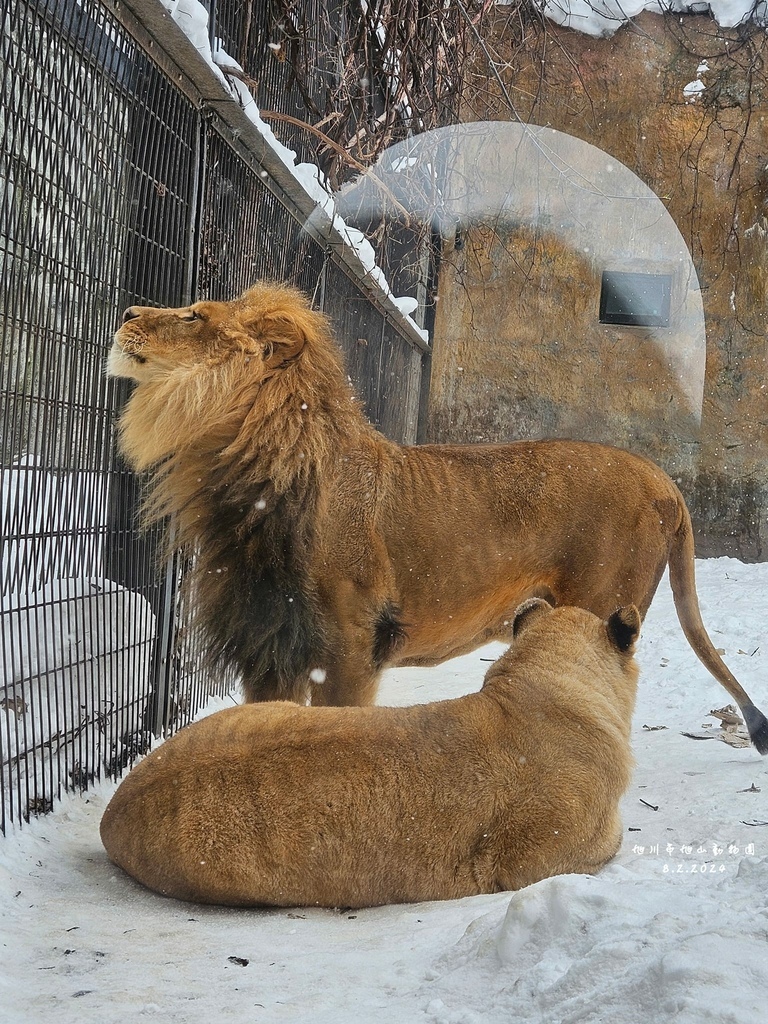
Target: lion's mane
{"x":236,"y":452}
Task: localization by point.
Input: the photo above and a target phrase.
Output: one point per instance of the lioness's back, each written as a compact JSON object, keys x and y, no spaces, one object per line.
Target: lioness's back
{"x":283,"y":804}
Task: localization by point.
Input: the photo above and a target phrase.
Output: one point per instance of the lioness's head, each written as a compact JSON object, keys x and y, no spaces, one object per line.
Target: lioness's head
{"x":268,"y":326}
{"x":618,"y":632}
{"x":566,"y":642}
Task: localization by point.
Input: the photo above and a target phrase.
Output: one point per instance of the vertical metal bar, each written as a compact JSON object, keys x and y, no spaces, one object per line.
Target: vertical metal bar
{"x":212,"y":20}
{"x":162,"y":667}
{"x":165,"y":641}
{"x":196,"y":209}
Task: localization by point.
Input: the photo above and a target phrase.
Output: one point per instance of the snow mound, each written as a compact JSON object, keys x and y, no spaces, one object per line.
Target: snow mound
{"x":584,"y":948}
{"x":78,"y":661}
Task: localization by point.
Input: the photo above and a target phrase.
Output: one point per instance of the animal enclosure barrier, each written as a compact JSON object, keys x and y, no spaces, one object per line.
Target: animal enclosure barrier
{"x":120,"y":184}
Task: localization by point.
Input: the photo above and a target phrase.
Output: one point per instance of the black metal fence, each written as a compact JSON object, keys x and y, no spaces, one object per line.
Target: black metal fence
{"x":117,"y":187}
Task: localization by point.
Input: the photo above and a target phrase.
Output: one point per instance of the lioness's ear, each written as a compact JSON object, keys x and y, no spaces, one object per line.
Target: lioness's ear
{"x":528,"y":611}
{"x":624,"y":627}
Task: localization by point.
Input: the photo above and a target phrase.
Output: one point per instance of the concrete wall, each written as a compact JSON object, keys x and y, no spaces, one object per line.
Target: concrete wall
{"x":519,"y":350}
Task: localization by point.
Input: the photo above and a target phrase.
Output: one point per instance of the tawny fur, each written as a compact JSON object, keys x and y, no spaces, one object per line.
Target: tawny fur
{"x":288,"y":805}
{"x":324,"y":550}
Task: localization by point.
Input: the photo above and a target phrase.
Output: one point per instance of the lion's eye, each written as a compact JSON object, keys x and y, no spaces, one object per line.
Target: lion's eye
{"x":189,"y":317}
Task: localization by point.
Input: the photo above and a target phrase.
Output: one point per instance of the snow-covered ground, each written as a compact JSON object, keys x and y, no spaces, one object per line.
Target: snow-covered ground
{"x":675,"y":928}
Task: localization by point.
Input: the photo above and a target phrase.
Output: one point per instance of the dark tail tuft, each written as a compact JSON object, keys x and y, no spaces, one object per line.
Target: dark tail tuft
{"x":757,"y":724}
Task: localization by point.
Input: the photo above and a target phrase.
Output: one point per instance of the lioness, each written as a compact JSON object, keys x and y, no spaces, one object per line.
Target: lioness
{"x":289,"y":805}
{"x":325,"y":552}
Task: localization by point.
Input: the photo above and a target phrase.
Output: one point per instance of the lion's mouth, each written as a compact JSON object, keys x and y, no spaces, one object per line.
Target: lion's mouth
{"x":128,"y":352}
{"x":129,"y":346}
{"x":121,"y":357}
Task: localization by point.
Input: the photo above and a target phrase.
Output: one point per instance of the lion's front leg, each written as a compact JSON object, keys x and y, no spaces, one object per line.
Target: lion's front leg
{"x":259,"y":687}
{"x":346,"y":682}
{"x":365,"y":632}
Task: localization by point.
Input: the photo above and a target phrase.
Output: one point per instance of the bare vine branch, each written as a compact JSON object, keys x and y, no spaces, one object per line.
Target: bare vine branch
{"x":371,"y":72}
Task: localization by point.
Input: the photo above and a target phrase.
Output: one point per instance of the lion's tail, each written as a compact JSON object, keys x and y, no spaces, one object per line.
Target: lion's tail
{"x":683,"y":581}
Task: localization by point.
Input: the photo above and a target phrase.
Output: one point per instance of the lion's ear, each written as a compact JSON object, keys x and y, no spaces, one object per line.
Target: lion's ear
{"x":279,"y":321}
{"x":527,"y":612}
{"x":624,"y":627}
{"x":281,"y":337}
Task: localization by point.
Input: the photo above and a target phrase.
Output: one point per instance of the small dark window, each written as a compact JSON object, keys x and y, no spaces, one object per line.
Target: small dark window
{"x":638,"y":300}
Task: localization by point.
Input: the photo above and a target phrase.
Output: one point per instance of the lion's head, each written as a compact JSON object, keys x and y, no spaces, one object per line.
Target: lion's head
{"x":265,"y":328}
{"x":213,"y":374}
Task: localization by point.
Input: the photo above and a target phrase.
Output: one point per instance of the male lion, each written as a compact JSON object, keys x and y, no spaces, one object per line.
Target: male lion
{"x":287,"y":805}
{"x":325,"y":552}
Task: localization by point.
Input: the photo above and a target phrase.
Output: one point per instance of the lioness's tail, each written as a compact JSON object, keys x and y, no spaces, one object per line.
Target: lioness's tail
{"x":683,"y":582}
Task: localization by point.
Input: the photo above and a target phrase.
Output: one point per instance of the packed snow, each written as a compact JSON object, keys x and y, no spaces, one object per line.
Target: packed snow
{"x":605,"y":17}
{"x":674,"y":928}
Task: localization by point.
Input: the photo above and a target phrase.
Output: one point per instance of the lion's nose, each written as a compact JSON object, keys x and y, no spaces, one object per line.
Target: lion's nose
{"x":130,"y":314}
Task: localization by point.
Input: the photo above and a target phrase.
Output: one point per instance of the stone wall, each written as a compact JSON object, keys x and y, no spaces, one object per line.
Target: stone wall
{"x":519,"y":349}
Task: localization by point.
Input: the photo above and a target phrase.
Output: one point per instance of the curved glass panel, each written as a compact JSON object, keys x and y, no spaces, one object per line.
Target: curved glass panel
{"x":568,"y":301}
